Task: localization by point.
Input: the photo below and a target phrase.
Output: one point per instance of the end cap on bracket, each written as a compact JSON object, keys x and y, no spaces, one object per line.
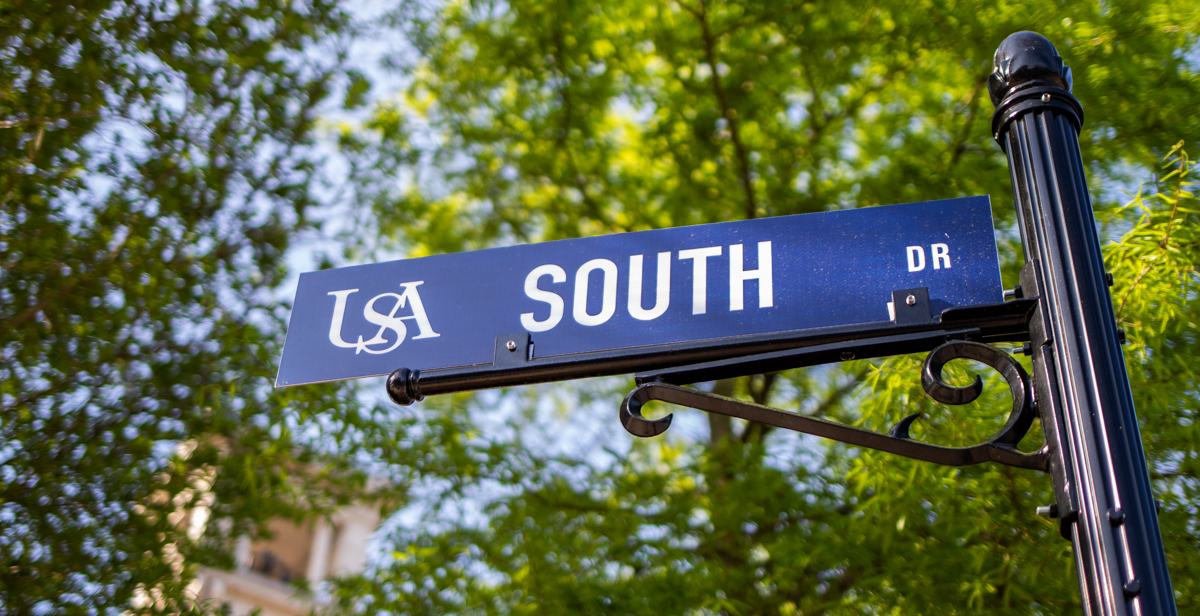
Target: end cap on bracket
{"x":402,"y":386}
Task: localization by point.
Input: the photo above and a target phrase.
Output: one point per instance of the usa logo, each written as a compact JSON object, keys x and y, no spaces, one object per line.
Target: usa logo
{"x":409,"y":300}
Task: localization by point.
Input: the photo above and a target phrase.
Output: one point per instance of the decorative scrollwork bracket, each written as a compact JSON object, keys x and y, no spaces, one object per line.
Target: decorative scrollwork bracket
{"x":1001,"y":447}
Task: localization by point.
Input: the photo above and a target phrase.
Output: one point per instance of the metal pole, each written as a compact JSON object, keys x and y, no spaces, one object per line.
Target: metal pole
{"x":1104,"y":499}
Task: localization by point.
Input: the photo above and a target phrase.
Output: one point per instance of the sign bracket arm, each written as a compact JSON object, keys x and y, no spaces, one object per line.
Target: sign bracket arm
{"x":914,"y":330}
{"x":1000,"y":447}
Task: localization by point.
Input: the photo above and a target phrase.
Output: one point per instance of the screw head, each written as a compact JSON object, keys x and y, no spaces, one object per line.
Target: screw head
{"x":1046,"y":97}
{"x":911,"y":300}
{"x":512,"y":345}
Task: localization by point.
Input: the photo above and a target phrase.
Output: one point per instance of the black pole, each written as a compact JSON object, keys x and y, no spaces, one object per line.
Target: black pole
{"x":1104,"y":499}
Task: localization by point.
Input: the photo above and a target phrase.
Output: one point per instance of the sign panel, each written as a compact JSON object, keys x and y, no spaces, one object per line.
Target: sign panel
{"x":640,"y":289}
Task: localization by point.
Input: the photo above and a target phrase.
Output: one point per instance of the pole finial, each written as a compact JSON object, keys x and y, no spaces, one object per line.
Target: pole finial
{"x":1024,"y":57}
{"x":1029,"y":75}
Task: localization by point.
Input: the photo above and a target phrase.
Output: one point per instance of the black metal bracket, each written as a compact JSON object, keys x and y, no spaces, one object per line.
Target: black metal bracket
{"x":1047,"y":393}
{"x":913,"y":329}
{"x":955,"y":333}
{"x":1001,"y":447}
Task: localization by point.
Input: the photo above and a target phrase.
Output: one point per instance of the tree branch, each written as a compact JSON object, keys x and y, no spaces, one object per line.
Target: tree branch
{"x":727,"y":112}
{"x":965,"y":133}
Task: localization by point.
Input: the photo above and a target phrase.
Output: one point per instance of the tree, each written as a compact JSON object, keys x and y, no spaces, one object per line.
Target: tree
{"x":527,"y":121}
{"x":156,"y":161}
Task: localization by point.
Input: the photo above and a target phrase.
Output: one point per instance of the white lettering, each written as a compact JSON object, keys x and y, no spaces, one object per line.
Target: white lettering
{"x":608,"y":297}
{"x":916,"y":258}
{"x":411,"y":298}
{"x":556,"y":274}
{"x":700,"y":275}
{"x":662,"y":296}
{"x":339,"y":312}
{"x":418,"y":310}
{"x":385,"y":322}
{"x":738,"y":277}
{"x":941,"y":256}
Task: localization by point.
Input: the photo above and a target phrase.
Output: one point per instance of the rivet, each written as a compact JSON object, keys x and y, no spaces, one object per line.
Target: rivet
{"x":1116,"y":516}
{"x":1133,"y":588}
{"x":911,"y":300}
{"x":1046,"y":97}
{"x":847,"y":355}
{"x":512,"y":345}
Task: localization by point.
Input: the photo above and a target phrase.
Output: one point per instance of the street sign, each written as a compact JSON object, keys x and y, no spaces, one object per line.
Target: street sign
{"x":640,"y":289}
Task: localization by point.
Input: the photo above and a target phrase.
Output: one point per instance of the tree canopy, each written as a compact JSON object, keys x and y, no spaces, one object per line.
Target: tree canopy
{"x":160,"y":162}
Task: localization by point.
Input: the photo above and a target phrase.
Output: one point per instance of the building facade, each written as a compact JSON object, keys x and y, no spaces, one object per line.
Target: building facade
{"x":284,"y":575}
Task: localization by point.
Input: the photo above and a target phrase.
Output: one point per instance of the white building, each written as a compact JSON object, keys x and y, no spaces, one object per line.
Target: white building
{"x":267,"y":570}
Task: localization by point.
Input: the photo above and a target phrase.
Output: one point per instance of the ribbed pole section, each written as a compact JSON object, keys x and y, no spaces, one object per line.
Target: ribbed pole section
{"x":1104,"y":499}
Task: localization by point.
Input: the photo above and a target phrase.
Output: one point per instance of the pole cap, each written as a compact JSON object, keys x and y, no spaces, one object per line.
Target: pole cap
{"x":1029,"y":76}
{"x":1024,"y":57}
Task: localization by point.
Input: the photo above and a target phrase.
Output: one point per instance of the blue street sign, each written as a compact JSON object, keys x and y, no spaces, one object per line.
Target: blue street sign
{"x":640,"y":289}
